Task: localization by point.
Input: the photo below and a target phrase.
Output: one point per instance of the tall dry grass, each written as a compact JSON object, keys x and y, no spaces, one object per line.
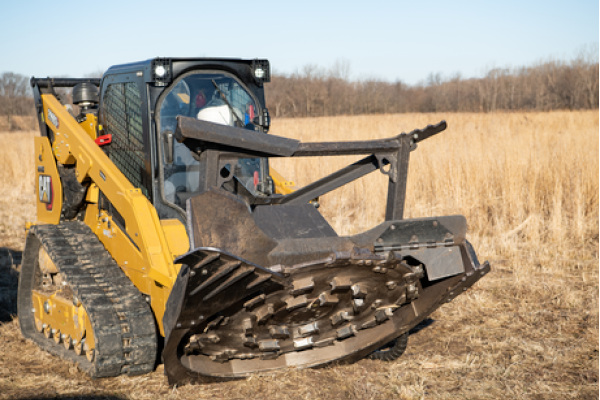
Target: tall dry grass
{"x":528,"y":185}
{"x":514,"y":166}
{"x":517,"y":177}
{"x":17,"y":186}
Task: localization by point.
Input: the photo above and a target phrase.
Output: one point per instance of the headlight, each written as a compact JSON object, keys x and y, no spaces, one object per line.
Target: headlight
{"x":260,"y":71}
{"x":162,"y":71}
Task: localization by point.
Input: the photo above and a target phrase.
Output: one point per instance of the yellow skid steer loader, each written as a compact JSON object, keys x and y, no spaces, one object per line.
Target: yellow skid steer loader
{"x":161,"y":231}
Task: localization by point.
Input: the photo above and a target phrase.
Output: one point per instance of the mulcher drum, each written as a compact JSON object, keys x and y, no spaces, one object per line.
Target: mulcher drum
{"x":229,"y":318}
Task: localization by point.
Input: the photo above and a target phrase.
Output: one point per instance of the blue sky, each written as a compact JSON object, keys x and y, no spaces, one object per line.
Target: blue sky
{"x":388,"y":40}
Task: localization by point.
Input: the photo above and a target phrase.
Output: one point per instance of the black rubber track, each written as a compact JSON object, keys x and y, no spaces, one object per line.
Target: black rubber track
{"x":123,"y":324}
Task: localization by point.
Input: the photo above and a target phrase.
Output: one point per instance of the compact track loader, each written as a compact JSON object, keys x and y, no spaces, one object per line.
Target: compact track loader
{"x":158,"y":217}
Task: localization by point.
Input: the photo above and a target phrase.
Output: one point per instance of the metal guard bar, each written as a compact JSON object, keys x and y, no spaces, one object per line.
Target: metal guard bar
{"x":61,"y":82}
{"x":218,"y":142}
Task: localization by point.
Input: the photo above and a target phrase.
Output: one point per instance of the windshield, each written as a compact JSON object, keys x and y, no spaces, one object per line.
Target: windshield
{"x":213,"y":97}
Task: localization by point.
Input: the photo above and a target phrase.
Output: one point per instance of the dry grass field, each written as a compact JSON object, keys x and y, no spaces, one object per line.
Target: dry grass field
{"x":528,"y":185}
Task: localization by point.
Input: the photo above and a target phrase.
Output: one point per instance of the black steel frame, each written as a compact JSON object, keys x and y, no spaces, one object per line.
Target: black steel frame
{"x":219,"y":145}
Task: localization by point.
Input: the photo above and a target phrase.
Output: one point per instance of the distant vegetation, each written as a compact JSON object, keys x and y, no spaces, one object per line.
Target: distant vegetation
{"x":552,"y":85}
{"x":15,"y":97}
{"x":315,"y":91}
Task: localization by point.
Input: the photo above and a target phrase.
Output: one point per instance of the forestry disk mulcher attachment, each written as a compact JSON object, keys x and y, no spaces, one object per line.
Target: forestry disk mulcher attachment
{"x":158,"y":216}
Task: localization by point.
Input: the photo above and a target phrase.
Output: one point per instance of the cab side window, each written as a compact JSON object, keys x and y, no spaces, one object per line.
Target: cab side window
{"x":122,"y":105}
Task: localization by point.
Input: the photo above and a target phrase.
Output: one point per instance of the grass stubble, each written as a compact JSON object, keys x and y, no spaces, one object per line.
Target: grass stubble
{"x":528,"y":185}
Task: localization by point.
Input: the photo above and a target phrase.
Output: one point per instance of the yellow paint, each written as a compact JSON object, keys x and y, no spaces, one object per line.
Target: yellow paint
{"x":282,"y":186}
{"x":142,"y":249}
{"x":62,"y":315}
{"x":46,"y":263}
{"x":184,"y":97}
{"x":176,"y":235}
{"x":92,"y":194}
{"x":45,"y":168}
{"x":89,"y":125}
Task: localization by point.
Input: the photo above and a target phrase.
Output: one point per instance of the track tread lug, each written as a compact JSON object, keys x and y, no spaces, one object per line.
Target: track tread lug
{"x":324,"y":342}
{"x":309,"y":329}
{"x":341,"y":316}
{"x":303,"y":343}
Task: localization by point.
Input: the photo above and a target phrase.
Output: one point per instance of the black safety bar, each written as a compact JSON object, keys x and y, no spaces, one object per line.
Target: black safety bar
{"x":61,"y":82}
{"x":218,"y":145}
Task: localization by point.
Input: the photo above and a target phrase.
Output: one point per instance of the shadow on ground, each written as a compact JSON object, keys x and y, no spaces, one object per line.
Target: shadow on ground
{"x":426,"y":323}
{"x":10,"y":260}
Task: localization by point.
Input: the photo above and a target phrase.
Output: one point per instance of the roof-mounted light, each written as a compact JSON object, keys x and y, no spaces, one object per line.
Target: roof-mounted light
{"x":261,"y":71}
{"x":162,"y":71}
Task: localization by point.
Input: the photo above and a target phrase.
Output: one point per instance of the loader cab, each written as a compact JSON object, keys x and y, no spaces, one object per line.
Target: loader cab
{"x":140,"y":103}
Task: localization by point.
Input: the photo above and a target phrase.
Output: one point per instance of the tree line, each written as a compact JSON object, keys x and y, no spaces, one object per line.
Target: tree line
{"x":551,"y":85}
{"x":15,"y":97}
{"x":315,"y":91}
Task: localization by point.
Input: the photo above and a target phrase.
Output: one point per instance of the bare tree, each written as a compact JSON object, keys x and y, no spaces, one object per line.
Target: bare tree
{"x":14,"y":97}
